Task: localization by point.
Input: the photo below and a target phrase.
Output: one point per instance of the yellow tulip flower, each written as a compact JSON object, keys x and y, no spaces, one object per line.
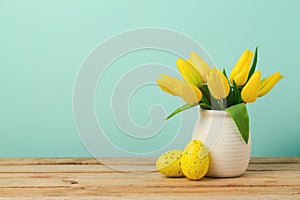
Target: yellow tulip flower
{"x":189,"y":72}
{"x":268,"y":83}
{"x":200,"y":64}
{"x":217,"y":84}
{"x":189,"y":93}
{"x":250,"y":91}
{"x":240,"y":71}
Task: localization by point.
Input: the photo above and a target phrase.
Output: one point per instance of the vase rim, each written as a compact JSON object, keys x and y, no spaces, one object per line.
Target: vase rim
{"x":205,"y":110}
{"x":216,"y":113}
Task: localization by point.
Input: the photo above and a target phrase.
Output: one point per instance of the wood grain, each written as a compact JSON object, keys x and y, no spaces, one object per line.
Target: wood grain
{"x":89,"y":178}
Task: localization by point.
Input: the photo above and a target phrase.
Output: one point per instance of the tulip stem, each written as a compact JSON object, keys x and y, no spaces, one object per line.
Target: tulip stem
{"x":221,"y":105}
{"x":205,"y":92}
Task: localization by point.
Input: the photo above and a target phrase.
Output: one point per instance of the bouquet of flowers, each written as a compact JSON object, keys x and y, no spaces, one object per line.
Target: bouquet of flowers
{"x":212,"y":89}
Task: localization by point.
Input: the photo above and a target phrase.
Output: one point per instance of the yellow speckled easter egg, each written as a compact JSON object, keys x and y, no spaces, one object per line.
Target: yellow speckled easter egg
{"x":169,"y":163}
{"x":195,"y":160}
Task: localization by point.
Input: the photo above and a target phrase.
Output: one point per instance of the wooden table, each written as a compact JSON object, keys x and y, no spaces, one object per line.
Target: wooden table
{"x":87,"y":178}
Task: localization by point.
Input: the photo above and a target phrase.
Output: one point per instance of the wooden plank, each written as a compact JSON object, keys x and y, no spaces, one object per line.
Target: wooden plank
{"x":100,"y":169}
{"x":152,"y":179}
{"x":74,"y":168}
{"x":165,"y":197}
{"x":76,"y":161}
{"x":88,"y":161}
{"x":180,"y":192}
{"x":48,"y":161}
{"x":274,"y":160}
{"x":82,"y":178}
{"x":97,"y":168}
{"x":274,"y":167}
{"x":76,"y":165}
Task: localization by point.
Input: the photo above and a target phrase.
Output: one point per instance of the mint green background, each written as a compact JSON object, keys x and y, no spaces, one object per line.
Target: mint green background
{"x":43,"y":43}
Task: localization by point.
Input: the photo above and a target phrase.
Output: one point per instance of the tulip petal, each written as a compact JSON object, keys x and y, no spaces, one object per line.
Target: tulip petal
{"x":191,"y":94}
{"x":250,"y":91}
{"x":167,"y":84}
{"x":162,"y":87}
{"x":241,"y":69}
{"x":239,"y":64}
{"x":200,"y":64}
{"x":217,"y":84}
{"x":225,"y":84}
{"x":189,"y":73}
{"x":268,"y":83}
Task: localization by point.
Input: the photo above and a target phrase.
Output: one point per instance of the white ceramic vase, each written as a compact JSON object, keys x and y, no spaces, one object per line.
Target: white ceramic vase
{"x":229,"y":154}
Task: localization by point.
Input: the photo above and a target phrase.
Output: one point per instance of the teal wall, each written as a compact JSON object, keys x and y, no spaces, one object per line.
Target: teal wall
{"x":43,"y":44}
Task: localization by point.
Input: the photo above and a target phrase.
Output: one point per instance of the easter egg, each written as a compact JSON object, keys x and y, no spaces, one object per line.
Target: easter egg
{"x":169,"y":163}
{"x":195,"y":160}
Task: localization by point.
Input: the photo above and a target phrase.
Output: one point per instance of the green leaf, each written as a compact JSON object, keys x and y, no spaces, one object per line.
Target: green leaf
{"x":240,"y":116}
{"x":205,"y":106}
{"x":180,"y":109}
{"x":204,"y":100}
{"x":231,"y":100}
{"x":206,"y":95}
{"x":253,"y":67}
{"x":224,"y":72}
{"x":237,"y":93}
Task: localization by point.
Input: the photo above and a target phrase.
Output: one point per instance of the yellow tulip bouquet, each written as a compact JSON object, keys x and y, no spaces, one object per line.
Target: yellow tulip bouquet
{"x":213,"y":90}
